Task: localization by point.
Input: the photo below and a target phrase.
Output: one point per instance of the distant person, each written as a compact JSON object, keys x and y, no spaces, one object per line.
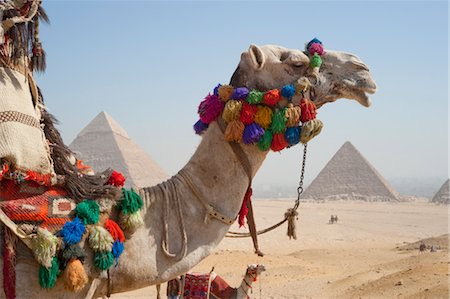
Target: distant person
{"x":422,"y":247}
{"x":174,"y":288}
{"x":335,"y":218}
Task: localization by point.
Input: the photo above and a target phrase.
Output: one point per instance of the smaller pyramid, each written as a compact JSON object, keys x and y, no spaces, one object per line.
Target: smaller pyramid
{"x":104,"y":144}
{"x":443,"y":195}
{"x":348,"y":175}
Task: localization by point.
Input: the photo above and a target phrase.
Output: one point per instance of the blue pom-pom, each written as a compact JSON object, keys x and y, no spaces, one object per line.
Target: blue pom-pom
{"x":240,"y":93}
{"x":117,"y":250}
{"x":200,"y":127}
{"x":216,"y":89}
{"x":292,"y":135}
{"x":73,"y":231}
{"x":288,"y":91}
{"x":314,"y":40}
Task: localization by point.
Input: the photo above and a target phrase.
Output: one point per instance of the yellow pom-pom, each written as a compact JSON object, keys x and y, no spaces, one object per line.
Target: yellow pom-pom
{"x":75,"y":277}
{"x":293,"y":115}
{"x":100,"y":239}
{"x":232,"y":111}
{"x":225,"y":92}
{"x":234,"y":131}
{"x":263,"y":116}
{"x":310,"y":129}
{"x":44,"y":247}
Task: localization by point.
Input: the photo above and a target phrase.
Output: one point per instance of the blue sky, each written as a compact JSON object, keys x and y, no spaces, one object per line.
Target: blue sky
{"x":148,"y":64}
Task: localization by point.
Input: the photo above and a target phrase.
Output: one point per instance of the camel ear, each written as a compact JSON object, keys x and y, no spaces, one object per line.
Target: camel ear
{"x":257,"y":56}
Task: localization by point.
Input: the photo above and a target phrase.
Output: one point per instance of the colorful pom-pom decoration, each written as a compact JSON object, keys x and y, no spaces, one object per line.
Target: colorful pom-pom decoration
{"x":71,"y":252}
{"x":73,"y":231}
{"x":234,"y":131}
{"x":310,"y":130}
{"x":240,"y":93}
{"x":313,"y":41}
{"x":278,"y":142}
{"x":114,"y":229}
{"x":117,"y":250}
{"x":278,"y":122}
{"x":248,"y":113}
{"x":255,"y":97}
{"x":131,"y":221}
{"x":210,"y":108}
{"x":316,"y":61}
{"x":232,"y":111}
{"x":130,"y":202}
{"x":292,"y":114}
{"x":263,"y":116}
{"x":200,"y":127}
{"x":308,"y":110}
{"x":103,"y":260}
{"x":252,"y":133}
{"x":116,"y":179}
{"x":288,"y":91}
{"x":44,"y":247}
{"x":100,"y":239}
{"x":265,"y":141}
{"x":88,"y":211}
{"x":292,"y":135}
{"x":48,"y":275}
{"x":216,"y":89}
{"x":271,"y":97}
{"x":75,"y":277}
{"x":225,"y":92}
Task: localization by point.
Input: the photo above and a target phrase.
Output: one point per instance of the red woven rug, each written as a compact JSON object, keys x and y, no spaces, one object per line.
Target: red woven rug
{"x":196,"y":286}
{"x":30,"y":203}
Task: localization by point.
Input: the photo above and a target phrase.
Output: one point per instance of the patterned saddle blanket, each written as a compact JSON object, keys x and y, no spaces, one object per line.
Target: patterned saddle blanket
{"x":31,"y":204}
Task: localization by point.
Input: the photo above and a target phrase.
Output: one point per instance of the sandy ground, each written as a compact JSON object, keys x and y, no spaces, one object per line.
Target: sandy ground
{"x":359,"y":257}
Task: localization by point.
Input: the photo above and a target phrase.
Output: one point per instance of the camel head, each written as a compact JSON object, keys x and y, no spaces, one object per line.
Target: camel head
{"x":254,"y":270}
{"x":342,"y":75}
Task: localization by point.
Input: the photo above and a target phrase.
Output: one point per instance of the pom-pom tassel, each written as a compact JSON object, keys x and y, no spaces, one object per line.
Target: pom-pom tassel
{"x":200,"y":127}
{"x":224,"y":92}
{"x":103,"y":260}
{"x":310,"y":130}
{"x":117,"y":250}
{"x":278,"y":142}
{"x":210,"y":108}
{"x":271,"y":97}
{"x":75,"y":277}
{"x":292,"y":115}
{"x":88,"y":211}
{"x":255,"y":97}
{"x":116,"y":232}
{"x":131,"y":221}
{"x":265,"y":141}
{"x":47,"y":276}
{"x":263,"y":116}
{"x":244,"y":209}
{"x":234,"y":131}
{"x":240,"y":93}
{"x":292,"y":135}
{"x":100,"y":239}
{"x":44,"y":247}
{"x":73,"y":231}
{"x":116,"y":179}
{"x":308,"y":110}
{"x":278,"y":122}
{"x":248,"y":113}
{"x":130,"y":202}
{"x":232,"y":111}
{"x":252,"y":133}
{"x":288,"y":91}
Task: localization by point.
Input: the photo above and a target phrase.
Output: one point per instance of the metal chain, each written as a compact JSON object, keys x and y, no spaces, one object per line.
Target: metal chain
{"x":302,"y":176}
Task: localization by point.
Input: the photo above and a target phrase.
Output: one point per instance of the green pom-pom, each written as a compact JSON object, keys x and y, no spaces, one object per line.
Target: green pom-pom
{"x":103,"y":260}
{"x":47,"y":277}
{"x":88,"y":211}
{"x":131,"y":202}
{"x":131,"y":221}
{"x":316,"y":61}
{"x":265,"y":141}
{"x":255,"y":97}
{"x":278,"y":122}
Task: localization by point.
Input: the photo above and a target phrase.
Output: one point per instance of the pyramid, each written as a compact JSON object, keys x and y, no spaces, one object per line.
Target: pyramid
{"x":443,"y":195}
{"x":348,"y":175}
{"x":104,"y":144}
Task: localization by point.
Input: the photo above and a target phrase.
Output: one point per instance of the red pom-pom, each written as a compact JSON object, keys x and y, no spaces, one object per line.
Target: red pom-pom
{"x":244,"y":209}
{"x":116,"y":232}
{"x":308,"y":110}
{"x":248,"y":113}
{"x":278,"y":142}
{"x":272,"y":97}
{"x":116,"y":179}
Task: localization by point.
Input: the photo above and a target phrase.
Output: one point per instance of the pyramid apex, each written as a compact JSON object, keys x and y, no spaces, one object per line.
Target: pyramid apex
{"x":103,"y":123}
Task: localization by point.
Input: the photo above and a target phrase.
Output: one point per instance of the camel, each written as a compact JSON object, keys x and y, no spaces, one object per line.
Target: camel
{"x":166,"y":247}
{"x":221,"y":290}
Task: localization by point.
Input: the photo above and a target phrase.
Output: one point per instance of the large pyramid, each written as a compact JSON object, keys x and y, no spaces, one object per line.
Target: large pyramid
{"x":103,"y":144}
{"x":443,"y":195}
{"x":348,"y":175}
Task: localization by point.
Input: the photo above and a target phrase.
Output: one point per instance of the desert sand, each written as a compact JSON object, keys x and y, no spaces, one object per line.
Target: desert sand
{"x":369,"y":253}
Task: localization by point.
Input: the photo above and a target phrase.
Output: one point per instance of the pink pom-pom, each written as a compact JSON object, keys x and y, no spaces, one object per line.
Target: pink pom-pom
{"x":316,"y":48}
{"x":210,"y":108}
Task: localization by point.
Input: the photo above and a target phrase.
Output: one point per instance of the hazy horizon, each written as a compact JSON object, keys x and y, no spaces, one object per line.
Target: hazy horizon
{"x":151,"y":72}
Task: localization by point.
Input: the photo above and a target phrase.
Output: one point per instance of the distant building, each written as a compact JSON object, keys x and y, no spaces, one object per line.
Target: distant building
{"x":348,"y":175}
{"x":104,"y":144}
{"x":443,"y":195}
